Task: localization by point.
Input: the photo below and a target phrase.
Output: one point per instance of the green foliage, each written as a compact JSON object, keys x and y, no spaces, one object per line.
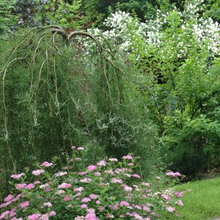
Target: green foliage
{"x":213,"y":9}
{"x":55,"y":93}
{"x":7,"y":17}
{"x":142,"y":9}
{"x":66,"y":14}
{"x":179,"y":82}
{"x":38,"y":13}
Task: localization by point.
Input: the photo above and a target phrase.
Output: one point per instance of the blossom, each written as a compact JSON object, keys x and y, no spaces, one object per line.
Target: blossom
{"x":29,"y":186}
{"x":79,"y":189}
{"x":116,"y":180}
{"x":101,"y":208}
{"x":52,"y":213}
{"x":47,"y":204}
{"x":43,"y":186}
{"x":37,"y":172}
{"x":66,"y":198}
{"x":127,"y":188}
{"x":24,"y":204}
{"x":73,"y":147}
{"x":170,"y":209}
{"x":109,"y":216}
{"x":145,"y":184}
{"x":130,"y":164}
{"x":146,"y":209}
{"x":101,"y":163}
{"x":179,"y":203}
{"x":59,"y":192}
{"x":136,"y":176}
{"x":8,"y":198}
{"x":97,"y":174}
{"x":93,"y":196}
{"x":14,"y":218}
{"x":177,"y":174}
{"x":84,"y":206}
{"x":79,"y":218}
{"x":21,"y":186}
{"x":17,"y":176}
{"x":92,"y":167}
{"x":34,"y":216}
{"x":113,"y":159}
{"x":127,"y":157}
{"x":86,"y":180}
{"x":44,"y":217}
{"x":172,"y":174}
{"x":5,"y":214}
{"x":111,"y":172}
{"x":91,"y":216}
{"x":113,"y":207}
{"x":61,"y":174}
{"x":80,"y":148}
{"x":178,"y":194}
{"x":165,"y":196}
{"x":82,"y":173}
{"x":46,"y":164}
{"x":37,"y":182}
{"x":64,"y":186}
{"x":86,"y":199}
{"x":98,"y":202}
{"x":124,"y":203}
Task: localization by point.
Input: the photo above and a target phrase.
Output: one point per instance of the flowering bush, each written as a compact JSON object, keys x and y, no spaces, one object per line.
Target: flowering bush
{"x":187,"y":27}
{"x":109,"y":189}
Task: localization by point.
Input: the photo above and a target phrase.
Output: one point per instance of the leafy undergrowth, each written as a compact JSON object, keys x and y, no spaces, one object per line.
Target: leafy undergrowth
{"x":201,"y":202}
{"x":109,"y":189}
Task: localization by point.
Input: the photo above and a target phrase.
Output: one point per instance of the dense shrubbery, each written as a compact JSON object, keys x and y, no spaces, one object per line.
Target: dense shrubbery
{"x":176,"y":56}
{"x":65,"y":93}
{"x":130,"y":86}
{"x":104,"y":190}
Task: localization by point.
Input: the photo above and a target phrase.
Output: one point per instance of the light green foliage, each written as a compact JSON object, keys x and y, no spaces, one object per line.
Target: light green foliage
{"x":213,"y":9}
{"x":66,"y":14}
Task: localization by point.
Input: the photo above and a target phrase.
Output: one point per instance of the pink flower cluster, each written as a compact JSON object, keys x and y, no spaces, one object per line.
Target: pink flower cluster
{"x":64,"y":186}
{"x":37,"y":172}
{"x":173,"y":174}
{"x":92,"y":167}
{"x":17,"y":176}
{"x":102,"y":190}
{"x":46,"y":164}
{"x":128,"y":157}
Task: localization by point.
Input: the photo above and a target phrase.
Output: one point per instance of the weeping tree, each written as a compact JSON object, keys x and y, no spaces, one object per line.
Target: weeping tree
{"x":58,"y":89}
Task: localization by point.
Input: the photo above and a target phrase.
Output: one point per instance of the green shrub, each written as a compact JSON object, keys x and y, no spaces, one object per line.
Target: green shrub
{"x":54,"y":93}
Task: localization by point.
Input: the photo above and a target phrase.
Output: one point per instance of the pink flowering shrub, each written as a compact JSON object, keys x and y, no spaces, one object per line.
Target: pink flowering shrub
{"x":109,"y":189}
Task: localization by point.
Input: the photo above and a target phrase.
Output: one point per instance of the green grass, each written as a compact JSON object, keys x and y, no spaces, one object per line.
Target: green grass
{"x":203,"y":201}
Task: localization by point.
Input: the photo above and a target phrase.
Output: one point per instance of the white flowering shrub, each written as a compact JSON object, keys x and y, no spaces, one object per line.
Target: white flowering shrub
{"x":125,"y":31}
{"x":174,"y":55}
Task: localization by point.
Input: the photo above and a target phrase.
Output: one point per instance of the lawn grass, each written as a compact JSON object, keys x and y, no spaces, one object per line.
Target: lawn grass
{"x":203,"y":201}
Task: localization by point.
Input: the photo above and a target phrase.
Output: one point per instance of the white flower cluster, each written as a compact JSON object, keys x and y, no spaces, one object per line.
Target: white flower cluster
{"x":208,"y":31}
{"x":123,"y":29}
{"x":193,"y":7}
